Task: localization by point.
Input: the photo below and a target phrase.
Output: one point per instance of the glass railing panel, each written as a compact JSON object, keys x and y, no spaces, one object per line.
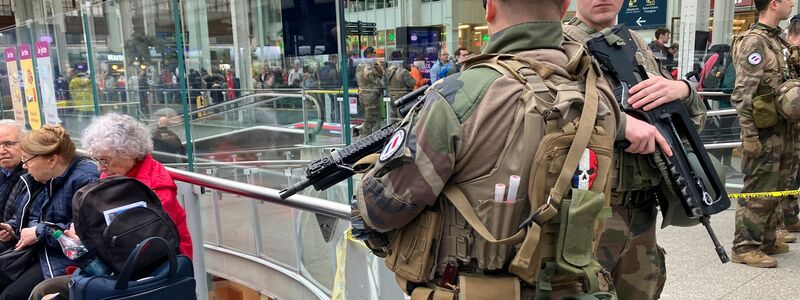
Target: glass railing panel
{"x":8,"y":39}
{"x":278,"y":227}
{"x":208,"y":218}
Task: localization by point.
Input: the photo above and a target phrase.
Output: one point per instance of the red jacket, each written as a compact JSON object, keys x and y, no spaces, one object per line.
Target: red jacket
{"x":154,"y":175}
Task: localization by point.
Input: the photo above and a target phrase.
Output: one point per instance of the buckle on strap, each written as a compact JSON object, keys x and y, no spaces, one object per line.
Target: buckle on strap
{"x":541,"y":215}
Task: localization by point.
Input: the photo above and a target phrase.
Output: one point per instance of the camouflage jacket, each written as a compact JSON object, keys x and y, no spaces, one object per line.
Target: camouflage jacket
{"x":369,"y":75}
{"x":759,"y":61}
{"x":639,"y":171}
{"x":460,"y":131}
{"x":398,"y":81}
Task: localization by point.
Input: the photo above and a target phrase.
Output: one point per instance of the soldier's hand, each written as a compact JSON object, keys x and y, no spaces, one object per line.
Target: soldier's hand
{"x":656,"y":91}
{"x":644,"y":137}
{"x":751,"y":145}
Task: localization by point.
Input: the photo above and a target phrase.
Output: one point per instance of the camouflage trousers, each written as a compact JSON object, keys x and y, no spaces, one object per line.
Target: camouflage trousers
{"x":370,"y":100}
{"x":757,"y":218}
{"x":628,"y":249}
{"x":790,"y":206}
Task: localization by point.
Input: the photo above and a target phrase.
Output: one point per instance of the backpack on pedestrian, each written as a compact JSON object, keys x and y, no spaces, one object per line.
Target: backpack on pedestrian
{"x":113,"y":215}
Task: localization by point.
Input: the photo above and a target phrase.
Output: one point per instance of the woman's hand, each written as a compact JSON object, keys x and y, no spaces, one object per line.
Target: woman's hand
{"x":26,"y":238}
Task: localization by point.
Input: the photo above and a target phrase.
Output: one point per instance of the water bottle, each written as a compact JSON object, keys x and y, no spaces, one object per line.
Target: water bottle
{"x":74,"y":249}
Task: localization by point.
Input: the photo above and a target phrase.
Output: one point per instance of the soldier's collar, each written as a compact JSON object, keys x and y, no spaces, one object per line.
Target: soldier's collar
{"x":774,"y":31}
{"x":581,"y":25}
{"x":526,"y":36}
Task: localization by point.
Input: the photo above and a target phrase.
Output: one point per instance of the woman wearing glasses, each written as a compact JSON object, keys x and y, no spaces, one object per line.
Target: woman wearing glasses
{"x":121,"y":145}
{"x":53,"y":166}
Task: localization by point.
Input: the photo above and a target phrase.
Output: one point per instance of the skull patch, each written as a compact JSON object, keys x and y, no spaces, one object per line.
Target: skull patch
{"x":586,"y":172}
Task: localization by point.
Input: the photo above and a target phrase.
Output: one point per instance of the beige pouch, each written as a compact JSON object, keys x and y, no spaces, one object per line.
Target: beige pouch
{"x":413,"y":249}
{"x":472,"y":287}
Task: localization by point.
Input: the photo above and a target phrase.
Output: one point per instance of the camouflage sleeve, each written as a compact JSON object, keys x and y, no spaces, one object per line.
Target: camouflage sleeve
{"x":748,"y":77}
{"x":410,"y":176}
{"x":408,"y":80}
{"x":695,"y":107}
{"x":374,"y":73}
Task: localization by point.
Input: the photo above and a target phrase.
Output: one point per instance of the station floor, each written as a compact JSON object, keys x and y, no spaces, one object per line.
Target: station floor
{"x":694,"y":270}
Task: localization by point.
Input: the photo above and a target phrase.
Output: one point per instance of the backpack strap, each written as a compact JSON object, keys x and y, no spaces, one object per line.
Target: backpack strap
{"x":580,"y":142}
{"x":459,"y":200}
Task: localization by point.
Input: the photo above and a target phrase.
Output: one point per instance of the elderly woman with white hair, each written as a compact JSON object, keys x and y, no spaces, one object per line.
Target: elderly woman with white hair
{"x":121,"y":145}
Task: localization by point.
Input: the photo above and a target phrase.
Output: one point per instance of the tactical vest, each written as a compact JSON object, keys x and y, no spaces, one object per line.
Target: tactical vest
{"x":765,"y":111}
{"x":633,"y":172}
{"x":395,"y":84}
{"x":560,"y":140}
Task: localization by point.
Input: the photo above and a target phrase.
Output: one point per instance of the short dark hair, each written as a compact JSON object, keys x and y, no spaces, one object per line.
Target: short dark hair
{"x":761,"y":5}
{"x":794,"y":25}
{"x":369,"y":51}
{"x":458,"y":51}
{"x":661,"y":31}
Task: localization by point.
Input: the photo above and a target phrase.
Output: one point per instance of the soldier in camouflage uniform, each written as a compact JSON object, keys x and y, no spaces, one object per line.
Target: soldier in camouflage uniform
{"x":791,"y":222}
{"x":369,"y":76}
{"x":458,"y":135}
{"x":767,"y":138}
{"x":628,"y":247}
{"x":398,"y":83}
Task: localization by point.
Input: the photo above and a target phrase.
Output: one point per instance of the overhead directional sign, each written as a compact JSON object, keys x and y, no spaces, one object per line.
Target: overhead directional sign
{"x":643,"y":14}
{"x":360,"y":28}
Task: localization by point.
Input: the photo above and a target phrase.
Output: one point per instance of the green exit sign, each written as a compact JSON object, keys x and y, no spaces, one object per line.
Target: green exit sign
{"x":485,"y":37}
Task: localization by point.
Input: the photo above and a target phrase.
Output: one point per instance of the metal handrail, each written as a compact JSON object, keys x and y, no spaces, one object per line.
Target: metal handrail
{"x":242,"y":98}
{"x":713,"y":94}
{"x":307,"y":203}
{"x":723,"y":112}
{"x":249,"y":163}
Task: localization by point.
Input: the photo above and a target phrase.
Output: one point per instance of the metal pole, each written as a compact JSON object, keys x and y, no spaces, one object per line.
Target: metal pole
{"x":340,"y":24}
{"x":182,"y":79}
{"x":191,"y":203}
{"x":87,"y":34}
{"x":254,"y":205}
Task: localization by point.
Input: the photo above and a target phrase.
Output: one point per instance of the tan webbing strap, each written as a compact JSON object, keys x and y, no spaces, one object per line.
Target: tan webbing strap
{"x":366,"y":163}
{"x":585,"y":128}
{"x":422,"y":293}
{"x":459,"y":200}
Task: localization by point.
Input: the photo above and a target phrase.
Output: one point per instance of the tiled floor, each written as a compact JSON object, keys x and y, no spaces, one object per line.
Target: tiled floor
{"x":695,"y":272}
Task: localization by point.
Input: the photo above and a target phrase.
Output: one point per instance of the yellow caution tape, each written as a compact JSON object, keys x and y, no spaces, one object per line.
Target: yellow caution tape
{"x":765,"y":194}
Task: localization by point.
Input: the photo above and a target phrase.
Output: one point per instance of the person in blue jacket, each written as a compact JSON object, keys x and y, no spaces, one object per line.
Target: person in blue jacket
{"x":49,"y":156}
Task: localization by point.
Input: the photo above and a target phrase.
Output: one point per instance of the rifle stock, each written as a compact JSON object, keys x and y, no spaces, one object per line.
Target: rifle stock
{"x":698,"y":187}
{"x":331,"y":169}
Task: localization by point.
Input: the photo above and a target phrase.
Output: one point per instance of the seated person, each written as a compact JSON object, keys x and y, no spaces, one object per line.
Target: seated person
{"x":49,"y":156}
{"x":121,"y":145}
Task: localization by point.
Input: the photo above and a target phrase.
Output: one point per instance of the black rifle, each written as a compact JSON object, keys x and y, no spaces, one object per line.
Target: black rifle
{"x":692,"y":177}
{"x":332,"y":169}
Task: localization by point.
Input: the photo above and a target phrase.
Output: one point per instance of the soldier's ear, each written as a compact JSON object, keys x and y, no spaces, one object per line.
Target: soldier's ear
{"x":491,"y":11}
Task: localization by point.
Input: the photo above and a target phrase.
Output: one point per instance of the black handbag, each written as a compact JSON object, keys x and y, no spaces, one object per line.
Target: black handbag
{"x":173,"y":280}
{"x":14,"y":262}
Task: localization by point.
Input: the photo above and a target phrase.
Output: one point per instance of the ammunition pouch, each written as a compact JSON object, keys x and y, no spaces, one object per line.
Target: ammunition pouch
{"x":635,"y":172}
{"x":413,"y":249}
{"x":574,"y":254}
{"x":765,"y":113}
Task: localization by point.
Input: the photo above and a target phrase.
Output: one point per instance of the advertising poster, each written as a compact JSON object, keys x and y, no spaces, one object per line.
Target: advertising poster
{"x":29,"y":79}
{"x":13,"y":83}
{"x":46,"y":83}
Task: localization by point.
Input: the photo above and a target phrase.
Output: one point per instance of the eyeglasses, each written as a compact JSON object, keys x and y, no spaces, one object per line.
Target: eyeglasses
{"x":25,"y":161}
{"x":8,"y":144}
{"x":102,"y":161}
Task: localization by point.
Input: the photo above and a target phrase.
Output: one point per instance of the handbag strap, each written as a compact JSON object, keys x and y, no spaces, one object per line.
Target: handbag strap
{"x":130,"y":264}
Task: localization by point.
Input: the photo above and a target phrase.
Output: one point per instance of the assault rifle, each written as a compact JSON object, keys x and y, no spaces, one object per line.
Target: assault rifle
{"x":332,"y":169}
{"x":690,"y":174}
